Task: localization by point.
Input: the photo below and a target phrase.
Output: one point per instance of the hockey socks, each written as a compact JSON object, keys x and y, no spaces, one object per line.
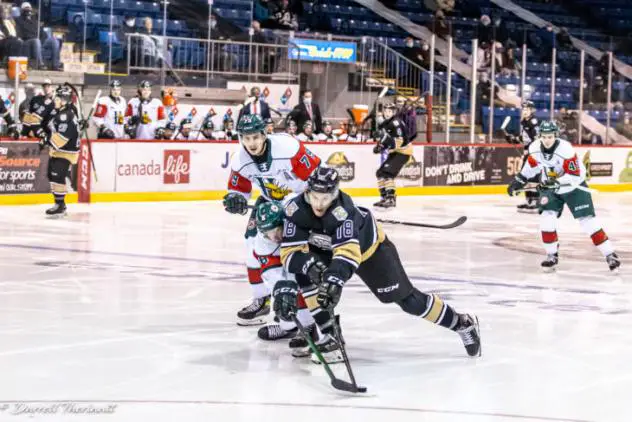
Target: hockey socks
{"x":591,"y":227}
{"x":431,"y":308}
{"x":548,"y":227}
{"x":322,"y":317}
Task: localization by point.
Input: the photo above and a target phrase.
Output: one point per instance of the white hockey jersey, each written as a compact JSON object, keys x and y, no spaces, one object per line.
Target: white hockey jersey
{"x":283,"y":169}
{"x":268,"y":253}
{"x":110,"y":112}
{"x":151,"y":114}
{"x":230,"y":135}
{"x":307,"y":138}
{"x":562,"y":164}
{"x":345,"y":137}
{"x":322,"y":137}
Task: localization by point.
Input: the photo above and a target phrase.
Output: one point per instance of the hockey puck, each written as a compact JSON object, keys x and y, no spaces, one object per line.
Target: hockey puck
{"x":361,"y":389}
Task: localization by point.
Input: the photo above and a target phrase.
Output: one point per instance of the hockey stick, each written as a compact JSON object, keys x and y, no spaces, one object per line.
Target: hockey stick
{"x":459,"y":221}
{"x":337,"y":383}
{"x":84,"y":132}
{"x":358,"y":388}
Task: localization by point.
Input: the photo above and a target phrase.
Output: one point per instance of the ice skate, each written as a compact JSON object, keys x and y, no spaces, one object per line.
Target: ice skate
{"x":272,"y":332}
{"x":380,"y":205}
{"x":255,"y":313}
{"x":300,"y":346}
{"x":57,"y":211}
{"x":528,"y":208}
{"x":549,"y":264}
{"x":390,"y":202}
{"x":329,"y":349}
{"x":470,"y":334}
{"x":613,"y":262}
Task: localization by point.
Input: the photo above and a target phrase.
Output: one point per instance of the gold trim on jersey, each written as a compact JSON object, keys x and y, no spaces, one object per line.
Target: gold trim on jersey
{"x":31,"y":119}
{"x":287,"y":251}
{"x":378,"y":238}
{"x":58,"y":140}
{"x":73,"y":157}
{"x":311,"y":296}
{"x":406,"y":150}
{"x":349,"y":250}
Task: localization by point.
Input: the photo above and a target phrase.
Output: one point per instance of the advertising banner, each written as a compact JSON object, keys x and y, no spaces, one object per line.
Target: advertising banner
{"x":281,"y":97}
{"x":470,"y":165}
{"x":606,"y":165}
{"x":23,"y":168}
{"x":323,"y":51}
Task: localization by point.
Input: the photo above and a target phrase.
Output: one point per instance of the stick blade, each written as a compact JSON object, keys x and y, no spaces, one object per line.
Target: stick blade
{"x":342,"y":385}
{"x":459,"y":221}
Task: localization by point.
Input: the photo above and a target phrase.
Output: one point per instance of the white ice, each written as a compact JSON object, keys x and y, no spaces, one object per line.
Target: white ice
{"x":134,"y":305}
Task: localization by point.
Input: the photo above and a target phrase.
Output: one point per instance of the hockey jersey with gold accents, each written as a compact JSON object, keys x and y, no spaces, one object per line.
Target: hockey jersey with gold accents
{"x":559,"y":162}
{"x":283,"y":169}
{"x":352,"y":232}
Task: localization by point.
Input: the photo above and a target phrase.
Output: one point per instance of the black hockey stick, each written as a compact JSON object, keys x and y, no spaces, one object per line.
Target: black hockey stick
{"x":459,"y":221}
{"x":337,"y":383}
{"x":358,"y":389}
{"x":84,"y":133}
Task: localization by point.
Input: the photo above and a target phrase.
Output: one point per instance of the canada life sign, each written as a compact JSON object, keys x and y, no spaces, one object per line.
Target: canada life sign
{"x":322,"y":51}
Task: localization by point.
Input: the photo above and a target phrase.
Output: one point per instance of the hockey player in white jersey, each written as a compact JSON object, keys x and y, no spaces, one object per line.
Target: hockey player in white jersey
{"x":277,"y":165}
{"x":109,"y":116}
{"x":185,"y":131}
{"x":145,"y":114}
{"x":563,"y":181}
{"x":267,"y":250}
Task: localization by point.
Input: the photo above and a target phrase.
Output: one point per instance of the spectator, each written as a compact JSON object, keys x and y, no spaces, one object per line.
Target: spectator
{"x":307,"y":134}
{"x":408,"y":116}
{"x":29,"y":92}
{"x":563,"y":40}
{"x":27,"y":30}
{"x":328,"y":133}
{"x":10,"y":43}
{"x":624,"y":126}
{"x":257,"y":106}
{"x":267,"y":55}
{"x":76,"y":28}
{"x":307,"y":111}
{"x":547,"y":41}
{"x":269,"y":126}
{"x":510,"y":66}
{"x":440,"y":25}
{"x":282,"y":16}
{"x":418,"y":55}
{"x":483,"y":58}
{"x":128,"y":27}
{"x":485,"y":30}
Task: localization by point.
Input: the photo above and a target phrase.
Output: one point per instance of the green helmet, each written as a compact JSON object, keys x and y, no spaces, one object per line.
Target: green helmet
{"x":548,"y":126}
{"x":251,"y":123}
{"x":269,"y":216}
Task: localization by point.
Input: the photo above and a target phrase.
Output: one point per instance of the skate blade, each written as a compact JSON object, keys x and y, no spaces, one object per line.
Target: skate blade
{"x":527,"y":211}
{"x":300,"y":354}
{"x":330,"y":358}
{"x":56,"y":216}
{"x":251,"y":322}
{"x":548,"y":270}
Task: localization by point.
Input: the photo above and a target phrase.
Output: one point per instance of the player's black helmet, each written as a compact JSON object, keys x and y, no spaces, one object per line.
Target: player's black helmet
{"x":64,"y":93}
{"x":115,"y":84}
{"x":324,"y":180}
{"x":144,"y":84}
{"x":528,"y":104}
{"x":389,"y":105}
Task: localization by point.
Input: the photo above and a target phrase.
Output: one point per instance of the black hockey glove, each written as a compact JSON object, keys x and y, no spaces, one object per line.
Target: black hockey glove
{"x":106,"y":133}
{"x":314,"y":269}
{"x":43,"y":143}
{"x":549,"y":185}
{"x":285,"y":294}
{"x":83,"y":125}
{"x":41,"y":133}
{"x":235,"y":203}
{"x":13,"y":131}
{"x":516,"y":185}
{"x":330,"y":290}
{"x":378,"y":148}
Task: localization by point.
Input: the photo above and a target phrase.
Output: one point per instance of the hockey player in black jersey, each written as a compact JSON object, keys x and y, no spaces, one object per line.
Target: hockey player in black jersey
{"x":392,"y":138}
{"x":12,"y":127}
{"x":351,"y":242}
{"x":529,"y":131}
{"x":35,"y":120}
{"x":62,"y":138}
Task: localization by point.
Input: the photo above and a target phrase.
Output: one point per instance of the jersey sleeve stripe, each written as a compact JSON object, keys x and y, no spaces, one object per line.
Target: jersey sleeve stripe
{"x":288,"y":251}
{"x":350,"y":251}
{"x":335,"y":245}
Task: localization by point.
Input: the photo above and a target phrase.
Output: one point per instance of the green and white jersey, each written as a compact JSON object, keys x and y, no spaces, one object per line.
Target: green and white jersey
{"x":559,"y":162}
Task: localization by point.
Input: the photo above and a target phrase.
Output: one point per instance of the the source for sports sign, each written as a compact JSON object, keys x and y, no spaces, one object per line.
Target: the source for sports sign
{"x":23,"y":168}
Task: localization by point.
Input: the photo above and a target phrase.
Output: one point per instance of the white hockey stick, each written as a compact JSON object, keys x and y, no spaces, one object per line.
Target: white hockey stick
{"x":505,"y":123}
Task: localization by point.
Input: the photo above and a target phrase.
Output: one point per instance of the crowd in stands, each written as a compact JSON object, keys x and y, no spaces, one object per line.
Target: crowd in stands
{"x":22,"y":34}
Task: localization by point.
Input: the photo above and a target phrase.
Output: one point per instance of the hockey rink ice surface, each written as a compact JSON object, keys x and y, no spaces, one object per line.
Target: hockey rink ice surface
{"x":130,"y":308}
